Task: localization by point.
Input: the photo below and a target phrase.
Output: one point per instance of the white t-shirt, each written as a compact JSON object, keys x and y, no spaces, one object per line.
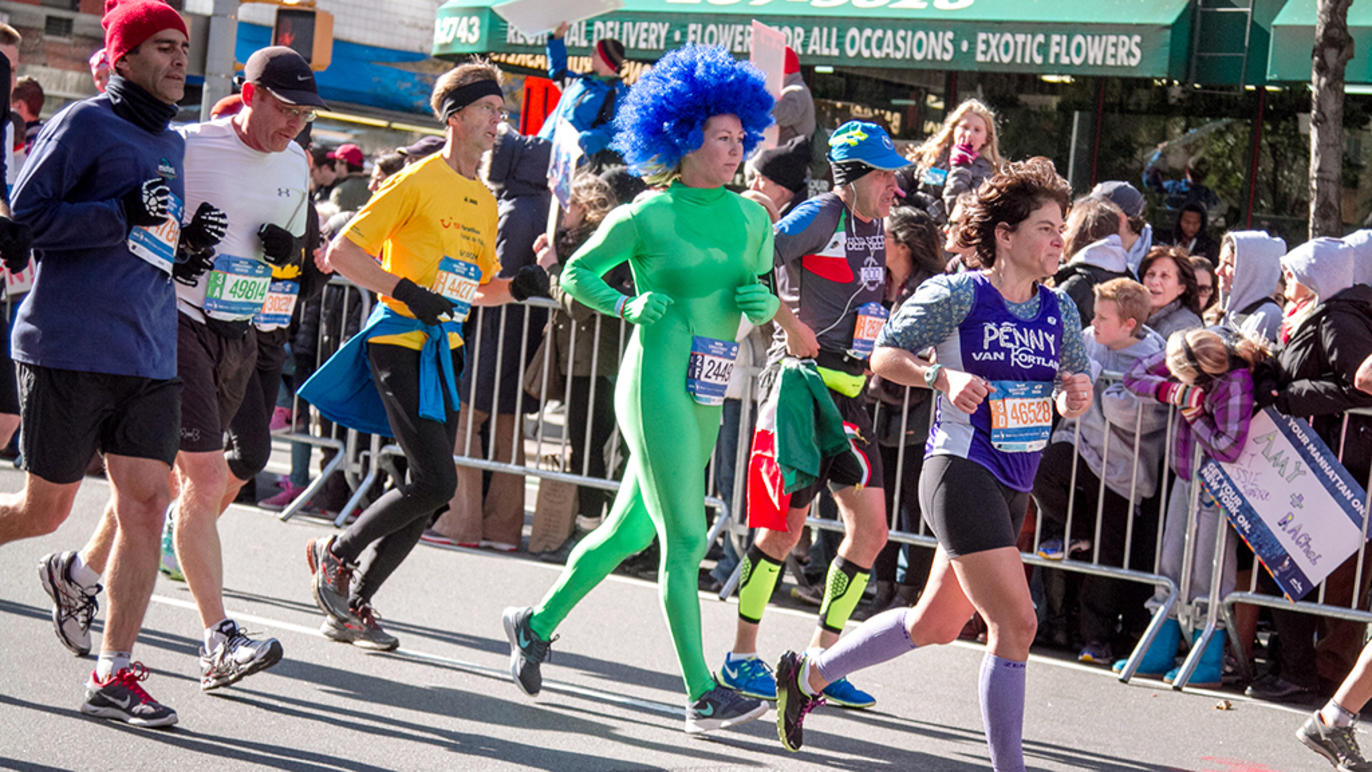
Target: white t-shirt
{"x":253,"y":188}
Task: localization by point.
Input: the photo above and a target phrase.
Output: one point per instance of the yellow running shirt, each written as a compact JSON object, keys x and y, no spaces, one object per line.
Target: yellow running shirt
{"x":425,"y":217}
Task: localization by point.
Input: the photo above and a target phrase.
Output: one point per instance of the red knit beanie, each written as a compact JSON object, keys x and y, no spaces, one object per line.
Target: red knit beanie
{"x":792,"y":63}
{"x":128,"y":23}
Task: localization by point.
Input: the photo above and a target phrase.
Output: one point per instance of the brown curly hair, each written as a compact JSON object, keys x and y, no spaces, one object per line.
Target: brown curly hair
{"x":1010,"y":197}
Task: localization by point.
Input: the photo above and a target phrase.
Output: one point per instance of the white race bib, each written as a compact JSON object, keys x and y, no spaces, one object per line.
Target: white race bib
{"x":279,"y":305}
{"x":157,"y":245}
{"x":711,"y":365}
{"x":457,"y":281}
{"x":236,"y":288}
{"x":1021,"y":415}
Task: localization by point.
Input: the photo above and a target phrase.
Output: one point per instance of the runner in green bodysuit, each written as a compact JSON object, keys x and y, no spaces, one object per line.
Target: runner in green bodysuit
{"x":696,"y":251}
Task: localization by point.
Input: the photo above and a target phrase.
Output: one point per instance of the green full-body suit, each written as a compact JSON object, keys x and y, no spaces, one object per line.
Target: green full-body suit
{"x":697,"y":246}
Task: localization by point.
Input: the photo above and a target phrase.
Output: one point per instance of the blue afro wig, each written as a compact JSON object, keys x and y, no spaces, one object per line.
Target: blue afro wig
{"x":663,"y":117}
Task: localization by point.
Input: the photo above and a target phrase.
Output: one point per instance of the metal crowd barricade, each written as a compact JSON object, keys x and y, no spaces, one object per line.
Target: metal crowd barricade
{"x":1353,"y":609}
{"x":478,"y":346}
{"x":347,"y":460}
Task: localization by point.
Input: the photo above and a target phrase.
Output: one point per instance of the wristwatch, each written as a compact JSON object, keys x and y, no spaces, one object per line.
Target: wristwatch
{"x":931,"y":376}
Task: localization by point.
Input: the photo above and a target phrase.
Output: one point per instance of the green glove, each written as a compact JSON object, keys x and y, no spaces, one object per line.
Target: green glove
{"x":757,"y":302}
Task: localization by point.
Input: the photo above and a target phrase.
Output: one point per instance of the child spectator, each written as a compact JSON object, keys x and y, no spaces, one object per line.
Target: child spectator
{"x":954,"y":161}
{"x":1207,"y":374}
{"x":1120,"y":441}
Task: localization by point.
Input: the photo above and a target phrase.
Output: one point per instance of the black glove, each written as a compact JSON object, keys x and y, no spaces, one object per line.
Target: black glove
{"x":16,"y":239}
{"x":206,"y":228}
{"x":148,"y":204}
{"x":191,"y":263}
{"x":278,"y":245}
{"x":426,"y":306}
{"x":530,"y":281}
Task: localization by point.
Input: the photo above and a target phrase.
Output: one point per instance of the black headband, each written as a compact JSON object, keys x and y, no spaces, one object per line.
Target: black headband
{"x":848,"y":171}
{"x":462,"y":96}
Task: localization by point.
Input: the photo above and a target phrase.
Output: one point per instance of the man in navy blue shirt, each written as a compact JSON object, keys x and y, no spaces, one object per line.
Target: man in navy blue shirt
{"x":95,"y":342}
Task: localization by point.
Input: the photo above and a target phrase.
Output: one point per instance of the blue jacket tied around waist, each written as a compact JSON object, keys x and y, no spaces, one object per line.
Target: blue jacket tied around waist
{"x":342,"y":388}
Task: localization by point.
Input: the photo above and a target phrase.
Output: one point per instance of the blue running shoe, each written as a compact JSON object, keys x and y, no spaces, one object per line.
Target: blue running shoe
{"x":1051,"y":549}
{"x":843,"y":694}
{"x":750,"y":677}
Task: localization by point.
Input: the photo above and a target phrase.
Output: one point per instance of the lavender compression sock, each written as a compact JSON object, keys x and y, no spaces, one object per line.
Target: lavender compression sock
{"x":880,"y":638}
{"x":1002,"y":711}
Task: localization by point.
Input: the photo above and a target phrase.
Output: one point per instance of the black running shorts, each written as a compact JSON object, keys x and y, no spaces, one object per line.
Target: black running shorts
{"x":66,"y":415}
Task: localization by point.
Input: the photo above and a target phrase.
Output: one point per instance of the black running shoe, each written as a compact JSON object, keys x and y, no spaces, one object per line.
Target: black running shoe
{"x":331,"y":578}
{"x":73,"y":606}
{"x":527,"y":650}
{"x":120,"y":697}
{"x":236,"y":657}
{"x":721,"y":707}
{"x":362,"y":629}
{"x":1337,"y":744}
{"x":792,"y":701}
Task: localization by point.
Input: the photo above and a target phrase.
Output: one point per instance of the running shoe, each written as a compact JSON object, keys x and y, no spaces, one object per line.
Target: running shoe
{"x":120,"y":697}
{"x":750,"y":677}
{"x":237,"y":656}
{"x":1337,"y":744}
{"x":792,"y":701}
{"x":1050,"y":549}
{"x":527,"y":650}
{"x":430,"y":536}
{"x":332,"y":578}
{"x":843,"y":694}
{"x":73,"y":606}
{"x":168,"y":565}
{"x":719,"y":708}
{"x":361,"y":629}
{"x":1096,"y":654}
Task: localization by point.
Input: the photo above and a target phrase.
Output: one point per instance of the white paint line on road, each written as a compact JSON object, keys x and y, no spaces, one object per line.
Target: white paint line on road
{"x":455,"y":664}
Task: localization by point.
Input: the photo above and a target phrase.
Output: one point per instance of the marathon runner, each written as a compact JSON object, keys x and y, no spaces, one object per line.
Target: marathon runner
{"x":697,"y":251}
{"x":433,"y":228}
{"x":831,"y":260}
{"x":95,"y":342}
{"x":1007,"y":350}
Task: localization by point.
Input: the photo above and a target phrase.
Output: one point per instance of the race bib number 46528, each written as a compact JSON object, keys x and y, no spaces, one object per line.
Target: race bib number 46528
{"x":1021,"y":415}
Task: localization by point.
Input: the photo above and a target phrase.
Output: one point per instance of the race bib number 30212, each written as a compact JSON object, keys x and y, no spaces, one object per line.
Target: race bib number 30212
{"x":457,"y":281}
{"x":157,"y":245}
{"x":1021,"y":415}
{"x":711,"y":365}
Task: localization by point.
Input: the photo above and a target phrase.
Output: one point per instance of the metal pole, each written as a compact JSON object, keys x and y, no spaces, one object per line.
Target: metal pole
{"x":219,"y":57}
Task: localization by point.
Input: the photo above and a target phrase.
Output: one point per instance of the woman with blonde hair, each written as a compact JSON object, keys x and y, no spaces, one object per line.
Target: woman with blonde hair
{"x":956,"y":160}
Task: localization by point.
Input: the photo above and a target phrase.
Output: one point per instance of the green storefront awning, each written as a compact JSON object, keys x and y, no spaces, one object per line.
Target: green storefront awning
{"x":1126,"y":38}
{"x":1293,"y":41}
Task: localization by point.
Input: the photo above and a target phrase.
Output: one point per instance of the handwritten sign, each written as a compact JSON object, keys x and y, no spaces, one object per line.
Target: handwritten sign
{"x":536,"y":16}
{"x":769,"y":55}
{"x":1291,"y":500}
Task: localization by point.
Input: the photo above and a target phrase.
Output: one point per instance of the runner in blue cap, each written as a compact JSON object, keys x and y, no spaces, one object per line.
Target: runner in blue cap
{"x":830,"y":258}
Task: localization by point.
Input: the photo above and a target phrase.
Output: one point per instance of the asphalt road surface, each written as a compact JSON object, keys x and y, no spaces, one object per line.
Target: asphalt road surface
{"x":612,"y":697}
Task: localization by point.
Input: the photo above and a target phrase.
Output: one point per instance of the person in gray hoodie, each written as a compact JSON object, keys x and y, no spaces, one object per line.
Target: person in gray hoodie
{"x":1093,"y":222}
{"x":1119,"y":442}
{"x":1248,"y":274}
{"x":1361,"y":242}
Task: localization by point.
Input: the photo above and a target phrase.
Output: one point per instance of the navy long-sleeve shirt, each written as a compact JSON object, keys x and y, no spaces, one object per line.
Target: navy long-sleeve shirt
{"x":95,"y":306}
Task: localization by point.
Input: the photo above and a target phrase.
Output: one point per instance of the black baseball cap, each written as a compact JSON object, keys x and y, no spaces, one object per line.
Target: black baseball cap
{"x":285,"y":73}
